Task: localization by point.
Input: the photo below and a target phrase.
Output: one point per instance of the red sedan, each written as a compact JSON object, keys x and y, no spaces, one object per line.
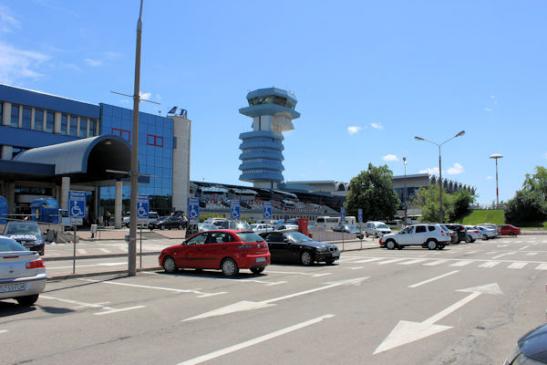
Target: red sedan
{"x":226,"y":250}
{"x":509,"y":230}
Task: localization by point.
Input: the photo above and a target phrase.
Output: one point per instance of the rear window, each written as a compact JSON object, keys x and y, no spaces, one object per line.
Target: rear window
{"x":249,"y":237}
{"x":431,"y":228}
{"x":8,"y":245}
{"x":420,"y":229}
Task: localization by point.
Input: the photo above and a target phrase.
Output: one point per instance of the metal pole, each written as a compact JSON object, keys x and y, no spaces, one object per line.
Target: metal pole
{"x":405,"y":196}
{"x":441,"y":210}
{"x":497,"y":188}
{"x":132,"y":250}
{"x":140,"y":249}
{"x":74,"y":251}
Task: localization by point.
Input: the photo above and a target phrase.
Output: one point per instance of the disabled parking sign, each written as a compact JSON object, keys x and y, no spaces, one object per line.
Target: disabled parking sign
{"x":193,"y":210}
{"x":76,"y":207}
{"x":235,"y":209}
{"x":342,"y":215}
{"x":267,"y":210}
{"x":360,"y":215}
{"x":143,"y":207}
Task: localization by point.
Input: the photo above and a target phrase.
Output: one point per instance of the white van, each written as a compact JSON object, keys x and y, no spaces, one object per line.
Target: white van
{"x":327,"y":223}
{"x":376,"y":229}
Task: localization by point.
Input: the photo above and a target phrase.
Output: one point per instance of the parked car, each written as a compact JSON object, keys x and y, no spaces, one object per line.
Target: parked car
{"x":22,"y":273}
{"x":491,"y":226}
{"x":487,"y":233}
{"x":286,"y":227}
{"x":473,"y":233}
{"x":350,"y":228}
{"x":152,"y":218}
{"x":204,"y":227}
{"x":168,"y":222}
{"x":509,"y":230}
{"x":226,"y":250}
{"x":431,"y":236}
{"x":27,"y":233}
{"x":292,"y":246}
{"x":453,"y":235}
{"x":262,"y":227}
{"x":461,"y":234}
{"x":376,"y":229}
{"x":232,"y":224}
{"x":531,"y":348}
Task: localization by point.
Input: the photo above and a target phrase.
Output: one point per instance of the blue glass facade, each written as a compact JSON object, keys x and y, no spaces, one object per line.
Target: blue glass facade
{"x":155,"y":148}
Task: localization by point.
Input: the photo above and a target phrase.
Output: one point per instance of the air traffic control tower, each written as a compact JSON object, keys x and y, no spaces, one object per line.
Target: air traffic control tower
{"x":272,"y":110}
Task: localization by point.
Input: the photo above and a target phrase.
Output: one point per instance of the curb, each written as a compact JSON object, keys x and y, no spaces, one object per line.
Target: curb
{"x":86,"y":275}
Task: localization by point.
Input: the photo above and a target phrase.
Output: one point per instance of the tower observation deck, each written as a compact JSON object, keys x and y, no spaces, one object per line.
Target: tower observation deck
{"x":272,"y":110}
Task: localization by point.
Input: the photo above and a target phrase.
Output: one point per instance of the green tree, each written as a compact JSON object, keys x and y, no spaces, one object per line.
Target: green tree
{"x":529,"y":206}
{"x":455,"y":205}
{"x":461,"y":205}
{"x":372,"y":191}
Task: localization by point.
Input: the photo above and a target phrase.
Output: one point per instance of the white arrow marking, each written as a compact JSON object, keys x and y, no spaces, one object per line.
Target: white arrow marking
{"x":406,"y":331}
{"x":246,"y":305}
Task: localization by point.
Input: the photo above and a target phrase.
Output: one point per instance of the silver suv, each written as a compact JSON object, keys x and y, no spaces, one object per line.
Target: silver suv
{"x":376,"y":229}
{"x":430,"y":236}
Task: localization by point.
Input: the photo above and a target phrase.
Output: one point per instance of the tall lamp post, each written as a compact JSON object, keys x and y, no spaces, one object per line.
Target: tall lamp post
{"x":405,"y":195}
{"x":132,"y":250}
{"x":497,"y":156}
{"x":439,"y":145}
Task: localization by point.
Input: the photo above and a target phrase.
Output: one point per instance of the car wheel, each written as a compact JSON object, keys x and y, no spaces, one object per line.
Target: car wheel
{"x":468,"y":239}
{"x":399,"y":247}
{"x":169,"y":265}
{"x":28,"y":300}
{"x":391,"y":245}
{"x":229,"y":267}
{"x":257,"y":270}
{"x":441,"y":247}
{"x":306,"y":258}
{"x":485,"y":237}
{"x":366,"y":235}
{"x":431,"y":244}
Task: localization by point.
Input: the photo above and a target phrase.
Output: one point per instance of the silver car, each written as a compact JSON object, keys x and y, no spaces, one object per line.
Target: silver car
{"x":22,"y":273}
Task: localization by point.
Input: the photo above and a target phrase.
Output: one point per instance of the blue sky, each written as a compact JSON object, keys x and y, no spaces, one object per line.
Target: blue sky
{"x":368,"y":76}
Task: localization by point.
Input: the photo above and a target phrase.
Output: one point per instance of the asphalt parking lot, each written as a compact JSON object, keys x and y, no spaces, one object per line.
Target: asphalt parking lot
{"x":466,"y":304}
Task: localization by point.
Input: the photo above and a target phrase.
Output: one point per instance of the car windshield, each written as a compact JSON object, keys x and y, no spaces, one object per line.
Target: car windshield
{"x":249,"y":237}
{"x":9,"y":245}
{"x":297,"y":237}
{"x":22,"y":228}
{"x":382,"y":226}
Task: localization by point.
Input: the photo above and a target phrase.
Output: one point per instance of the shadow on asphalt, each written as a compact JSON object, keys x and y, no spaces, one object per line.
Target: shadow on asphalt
{"x":12,"y":308}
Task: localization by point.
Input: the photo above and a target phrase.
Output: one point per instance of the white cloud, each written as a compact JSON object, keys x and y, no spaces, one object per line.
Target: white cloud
{"x":354,"y":129}
{"x":93,"y":62}
{"x":390,"y":158}
{"x":145,"y":95}
{"x":488,"y":110}
{"x":7,"y":21}
{"x":376,"y":125}
{"x":430,"y":171}
{"x":456,"y":169}
{"x":16,"y":63}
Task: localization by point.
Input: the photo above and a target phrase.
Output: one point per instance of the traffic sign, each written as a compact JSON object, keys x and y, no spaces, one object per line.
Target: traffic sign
{"x":235,"y":209}
{"x":360,"y":215}
{"x":193,"y":210}
{"x":267,"y":210}
{"x":342,"y":215}
{"x":143,"y":208}
{"x":76,"y":207}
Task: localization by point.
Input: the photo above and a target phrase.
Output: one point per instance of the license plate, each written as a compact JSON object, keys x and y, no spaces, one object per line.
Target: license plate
{"x":260,"y":259}
{"x":6,"y":288}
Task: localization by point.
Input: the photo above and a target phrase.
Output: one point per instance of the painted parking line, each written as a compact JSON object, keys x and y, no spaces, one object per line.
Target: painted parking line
{"x":504,"y":254}
{"x":298,"y":273}
{"x":267,"y":283}
{"x":3,"y":331}
{"x":524,"y":247}
{"x":433,"y":279}
{"x":356,"y":267}
{"x":105,"y":250}
{"x":541,"y":267}
{"x":228,"y":350}
{"x":517,"y":265}
{"x":390,"y":261}
{"x":531,"y":253}
{"x":369,"y":260}
{"x":490,"y":264}
{"x":437,"y":262}
{"x":105,"y":309}
{"x":411,"y":262}
{"x":462,"y":263}
{"x":199,"y":293}
{"x":82,"y":251}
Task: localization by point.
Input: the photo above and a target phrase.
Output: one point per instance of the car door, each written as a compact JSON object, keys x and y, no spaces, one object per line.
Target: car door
{"x":292,"y":248}
{"x":405,"y":236}
{"x":420,"y":235}
{"x":215,"y":249}
{"x":192,"y":256}
{"x":277,"y":246}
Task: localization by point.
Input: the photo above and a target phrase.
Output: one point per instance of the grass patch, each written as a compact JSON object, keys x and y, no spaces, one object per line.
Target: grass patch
{"x":479,"y":216}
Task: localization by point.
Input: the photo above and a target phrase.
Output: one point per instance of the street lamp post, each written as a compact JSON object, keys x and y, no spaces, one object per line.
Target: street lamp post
{"x":497,"y":156}
{"x":439,"y":145}
{"x":132,"y":250}
{"x":405,"y":195}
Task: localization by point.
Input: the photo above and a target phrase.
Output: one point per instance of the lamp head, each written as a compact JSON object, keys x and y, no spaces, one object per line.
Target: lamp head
{"x":460,"y":133}
{"x":495,"y":156}
{"x":419,"y":138}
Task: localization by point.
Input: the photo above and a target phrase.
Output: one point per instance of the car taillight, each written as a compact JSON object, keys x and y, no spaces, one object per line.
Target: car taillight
{"x":36,"y":264}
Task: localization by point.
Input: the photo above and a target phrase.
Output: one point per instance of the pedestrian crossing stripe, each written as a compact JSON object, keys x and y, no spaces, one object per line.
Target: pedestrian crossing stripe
{"x":485,"y":264}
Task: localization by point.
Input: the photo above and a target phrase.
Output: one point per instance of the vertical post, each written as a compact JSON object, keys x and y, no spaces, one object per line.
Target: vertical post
{"x":405,"y":196}
{"x":497,"y":189}
{"x":441,"y":210}
{"x":140,"y":249}
{"x":132,"y":251}
{"x":74,"y":250}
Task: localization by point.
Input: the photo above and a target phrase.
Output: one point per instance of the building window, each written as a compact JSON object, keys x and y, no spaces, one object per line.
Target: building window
{"x":27,"y":117}
{"x":153,"y":140}
{"x":73,"y":131}
{"x":14,"y":115}
{"x":50,"y":121}
{"x":39,"y":119}
{"x":64,"y":124}
{"x":124,"y":133}
{"x":83,"y":127}
{"x":93,"y":127}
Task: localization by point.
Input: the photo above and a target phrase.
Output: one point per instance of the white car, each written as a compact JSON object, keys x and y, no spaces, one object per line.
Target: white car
{"x":487,"y":233}
{"x":286,"y":227}
{"x":431,"y":236}
{"x":473,"y":232}
{"x":261,"y":228}
{"x":376,"y":229}
{"x":22,"y":273}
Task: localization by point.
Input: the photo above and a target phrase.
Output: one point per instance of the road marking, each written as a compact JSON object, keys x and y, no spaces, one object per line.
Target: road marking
{"x":406,"y":331}
{"x":3,"y":331}
{"x":245,"y":305}
{"x":369,"y":260}
{"x":531,"y":253}
{"x":412,"y":262}
{"x":200,"y":294}
{"x":472,"y":252}
{"x":298,"y":273}
{"x":502,"y":246}
{"x":254,"y":341}
{"x":433,"y":279}
{"x":462,"y":263}
{"x":104,"y":250}
{"x":268,"y":283}
{"x":517,"y":265}
{"x":524,"y":248}
{"x":82,"y":251}
{"x":390,"y":261}
{"x":492,"y":253}
{"x":356,"y":267}
{"x":504,"y":254}
{"x":541,"y":267}
{"x":106,"y":310}
{"x":490,"y":264}
{"x":435,"y":263}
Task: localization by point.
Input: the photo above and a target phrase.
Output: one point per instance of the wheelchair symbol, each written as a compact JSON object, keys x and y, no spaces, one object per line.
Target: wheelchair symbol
{"x":235,"y":212}
{"x":267,"y":212}
{"x":193,"y":212}
{"x":141,"y":212}
{"x":75,"y":210}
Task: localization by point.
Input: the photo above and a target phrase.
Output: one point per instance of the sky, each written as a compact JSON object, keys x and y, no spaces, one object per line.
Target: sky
{"x":368,"y":76}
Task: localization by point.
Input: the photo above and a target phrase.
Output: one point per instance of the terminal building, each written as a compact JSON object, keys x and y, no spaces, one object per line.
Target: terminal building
{"x":50,"y":145}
